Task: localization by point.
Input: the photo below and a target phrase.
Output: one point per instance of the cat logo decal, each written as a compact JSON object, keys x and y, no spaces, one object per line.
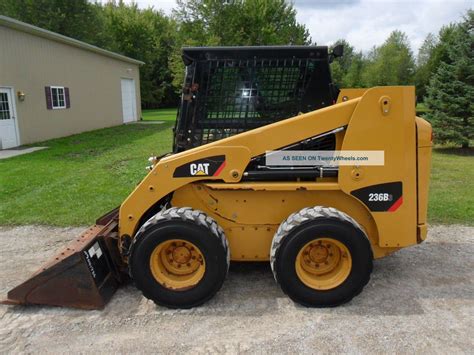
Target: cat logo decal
{"x":211,"y":166}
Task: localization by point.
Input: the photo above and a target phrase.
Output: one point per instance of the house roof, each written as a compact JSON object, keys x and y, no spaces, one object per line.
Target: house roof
{"x":40,"y":32}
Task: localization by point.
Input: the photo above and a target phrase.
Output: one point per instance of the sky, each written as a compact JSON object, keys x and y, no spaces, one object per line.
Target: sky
{"x":365,"y":23}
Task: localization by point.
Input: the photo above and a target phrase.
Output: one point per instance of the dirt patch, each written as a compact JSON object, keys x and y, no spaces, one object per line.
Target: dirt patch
{"x":420,"y":299}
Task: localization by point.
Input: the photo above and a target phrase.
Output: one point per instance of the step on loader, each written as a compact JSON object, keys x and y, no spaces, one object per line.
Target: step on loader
{"x":215,"y":199}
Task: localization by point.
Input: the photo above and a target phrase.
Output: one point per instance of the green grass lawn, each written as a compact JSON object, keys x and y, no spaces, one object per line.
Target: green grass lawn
{"x":162,"y":114}
{"x":78,"y":178}
{"x":451,"y":197}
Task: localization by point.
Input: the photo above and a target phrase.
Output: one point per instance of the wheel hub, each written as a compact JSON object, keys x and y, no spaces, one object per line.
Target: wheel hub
{"x":181,"y":255}
{"x":318,"y":253}
{"x":177,"y":264}
{"x":323,"y":264}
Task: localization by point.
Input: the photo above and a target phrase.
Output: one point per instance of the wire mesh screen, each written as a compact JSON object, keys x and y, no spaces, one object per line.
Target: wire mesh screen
{"x":236,"y":96}
{"x":232,"y":95}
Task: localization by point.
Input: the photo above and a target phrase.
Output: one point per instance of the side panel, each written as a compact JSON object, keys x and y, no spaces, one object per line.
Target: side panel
{"x":251,"y":216}
{"x":385,"y":120}
{"x":161,"y":181}
{"x":423,"y":169}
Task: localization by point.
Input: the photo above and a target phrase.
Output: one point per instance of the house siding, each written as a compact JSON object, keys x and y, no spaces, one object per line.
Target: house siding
{"x":30,"y":63}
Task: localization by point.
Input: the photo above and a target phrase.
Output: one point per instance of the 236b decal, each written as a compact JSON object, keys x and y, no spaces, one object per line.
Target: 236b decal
{"x":382,"y":197}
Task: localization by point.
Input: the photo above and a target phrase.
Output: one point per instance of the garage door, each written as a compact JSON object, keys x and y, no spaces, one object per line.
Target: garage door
{"x":129,"y":101}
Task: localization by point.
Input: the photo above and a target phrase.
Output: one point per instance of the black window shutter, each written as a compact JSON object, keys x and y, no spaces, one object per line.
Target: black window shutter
{"x":66,"y":95}
{"x":49,"y":100}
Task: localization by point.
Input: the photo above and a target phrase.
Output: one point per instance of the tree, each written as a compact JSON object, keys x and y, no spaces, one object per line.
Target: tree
{"x":347,"y":70}
{"x":147,"y":35}
{"x":240,"y":22}
{"x":341,"y":65}
{"x":440,"y":53}
{"x":234,"y":23}
{"x":451,"y":88}
{"x":390,"y":64}
{"x":78,"y":19}
{"x":425,"y":65}
{"x":433,"y":51}
{"x":267,"y":22}
{"x":354,"y":76}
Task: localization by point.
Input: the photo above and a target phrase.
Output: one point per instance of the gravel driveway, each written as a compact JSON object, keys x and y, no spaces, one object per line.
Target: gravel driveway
{"x":419,"y":299}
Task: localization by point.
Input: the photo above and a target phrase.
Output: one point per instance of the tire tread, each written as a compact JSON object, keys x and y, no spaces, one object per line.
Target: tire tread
{"x":186,"y":214}
{"x":309,"y":214}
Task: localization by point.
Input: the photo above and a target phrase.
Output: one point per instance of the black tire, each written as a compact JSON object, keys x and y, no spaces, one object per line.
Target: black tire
{"x":195,"y":227}
{"x":310,"y":224}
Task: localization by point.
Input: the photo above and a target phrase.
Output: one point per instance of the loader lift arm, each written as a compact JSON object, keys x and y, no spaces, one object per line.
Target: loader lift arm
{"x":238,"y":151}
{"x":382,"y":118}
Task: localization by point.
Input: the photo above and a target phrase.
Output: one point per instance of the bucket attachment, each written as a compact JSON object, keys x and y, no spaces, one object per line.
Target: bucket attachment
{"x":84,"y":275}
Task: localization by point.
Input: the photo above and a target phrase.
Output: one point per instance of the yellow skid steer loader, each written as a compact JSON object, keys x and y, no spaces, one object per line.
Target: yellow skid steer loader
{"x":216,"y":199}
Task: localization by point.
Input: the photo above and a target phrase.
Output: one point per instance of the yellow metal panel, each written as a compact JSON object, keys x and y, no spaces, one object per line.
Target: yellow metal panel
{"x":250,"y":243}
{"x":424,"y":133}
{"x":424,"y":167}
{"x":371,"y":128}
{"x":349,"y":94}
{"x":251,"y":216}
{"x":422,"y":232}
{"x":160,"y":182}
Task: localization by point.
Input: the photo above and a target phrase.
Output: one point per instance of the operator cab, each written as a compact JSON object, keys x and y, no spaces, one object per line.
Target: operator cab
{"x":229,"y":90}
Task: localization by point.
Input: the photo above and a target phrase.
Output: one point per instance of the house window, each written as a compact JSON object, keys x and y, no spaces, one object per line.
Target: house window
{"x":58,"y":97}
